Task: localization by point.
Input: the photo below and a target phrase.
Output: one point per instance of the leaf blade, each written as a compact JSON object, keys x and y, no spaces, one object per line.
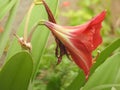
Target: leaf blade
{"x":105,"y":54}
{"x":6,"y":7}
{"x":16,"y":73}
{"x":5,"y":35}
{"x":106,"y":76}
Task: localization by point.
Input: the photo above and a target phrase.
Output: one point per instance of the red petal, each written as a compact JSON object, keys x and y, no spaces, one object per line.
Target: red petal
{"x":96,"y":24}
{"x":81,"y":56}
{"x":89,"y":33}
{"x":99,"y":18}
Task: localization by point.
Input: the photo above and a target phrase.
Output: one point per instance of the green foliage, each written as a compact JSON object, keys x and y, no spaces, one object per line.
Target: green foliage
{"x":40,"y":36}
{"x":106,"y":76}
{"x":9,"y":7}
{"x":54,"y":83}
{"x":49,"y":72}
{"x":105,"y":54}
{"x":6,"y":6}
{"x":16,"y":73}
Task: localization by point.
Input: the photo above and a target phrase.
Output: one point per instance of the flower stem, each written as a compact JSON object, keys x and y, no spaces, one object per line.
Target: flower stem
{"x":27,"y":21}
{"x":31,"y":32}
{"x":41,"y":22}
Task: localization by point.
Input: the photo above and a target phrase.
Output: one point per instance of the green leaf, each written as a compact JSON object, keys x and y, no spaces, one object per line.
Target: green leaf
{"x":5,"y":35}
{"x":105,"y":54}
{"x":16,"y":73}
{"x":78,"y":82}
{"x":106,"y":76}
{"x":5,"y":7}
{"x":40,"y":36}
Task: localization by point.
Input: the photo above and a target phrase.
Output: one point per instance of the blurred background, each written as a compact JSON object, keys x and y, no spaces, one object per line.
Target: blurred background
{"x":71,"y":12}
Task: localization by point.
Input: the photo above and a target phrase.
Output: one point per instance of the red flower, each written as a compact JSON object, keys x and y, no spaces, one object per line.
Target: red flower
{"x":79,"y":41}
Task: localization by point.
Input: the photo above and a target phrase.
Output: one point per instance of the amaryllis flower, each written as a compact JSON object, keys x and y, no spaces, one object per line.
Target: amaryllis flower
{"x":79,"y":41}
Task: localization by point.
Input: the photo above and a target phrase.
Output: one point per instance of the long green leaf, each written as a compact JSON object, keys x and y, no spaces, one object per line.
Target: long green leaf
{"x":40,"y":36}
{"x":106,"y":76}
{"x":5,"y":35}
{"x":78,"y":82}
{"x":16,"y":73}
{"x":6,"y":7}
{"x":105,"y":54}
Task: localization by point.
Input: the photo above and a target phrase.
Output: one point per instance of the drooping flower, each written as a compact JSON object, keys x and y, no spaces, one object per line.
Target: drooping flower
{"x":80,"y":41}
{"x":76,"y":41}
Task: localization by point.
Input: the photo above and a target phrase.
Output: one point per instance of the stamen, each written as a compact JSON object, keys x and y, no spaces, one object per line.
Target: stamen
{"x":59,"y":60}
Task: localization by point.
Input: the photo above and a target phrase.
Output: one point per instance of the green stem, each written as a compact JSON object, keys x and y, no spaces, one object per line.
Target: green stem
{"x":27,"y":21}
{"x":31,"y":32}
